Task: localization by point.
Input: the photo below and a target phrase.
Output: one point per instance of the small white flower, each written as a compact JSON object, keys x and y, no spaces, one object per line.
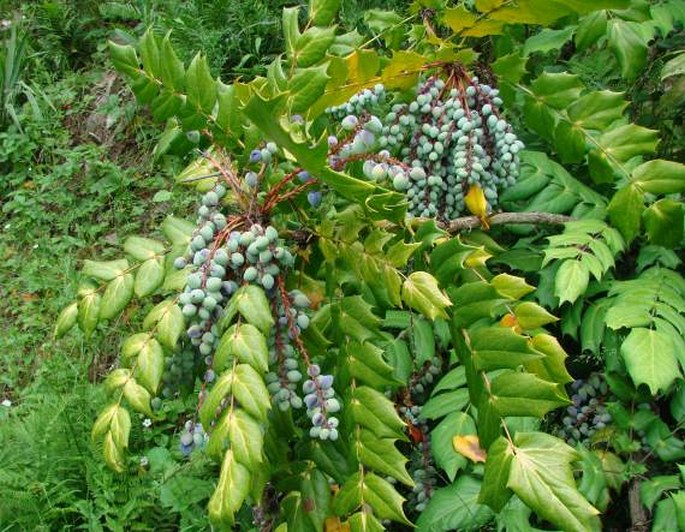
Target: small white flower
{"x":6,"y":403}
{"x":147,"y":423}
{"x":144,"y":462}
{"x":35,"y":246}
{"x":7,"y":226}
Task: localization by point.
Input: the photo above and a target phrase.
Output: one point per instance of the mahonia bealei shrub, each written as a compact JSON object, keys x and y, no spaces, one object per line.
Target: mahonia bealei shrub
{"x":450,"y":138}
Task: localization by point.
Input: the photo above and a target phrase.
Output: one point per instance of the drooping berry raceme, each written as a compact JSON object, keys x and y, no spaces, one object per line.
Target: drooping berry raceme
{"x":588,"y":413}
{"x":451,"y":137}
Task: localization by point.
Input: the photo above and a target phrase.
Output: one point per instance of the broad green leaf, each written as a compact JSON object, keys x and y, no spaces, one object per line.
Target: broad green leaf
{"x":530,"y":315}
{"x":455,"y":507}
{"x":499,"y":347}
{"x":591,"y":28}
{"x":170,"y":326}
{"x":511,"y":286}
{"x":120,"y":427}
{"x":495,"y":492}
{"x":557,"y":90}
{"x":66,"y":320}
{"x":365,"y":362}
{"x":138,"y":397}
{"x":421,"y":292}
{"x":552,"y":367}
{"x":291,"y":30}
{"x":651,"y":490}
{"x":105,"y":270}
{"x":445,"y":403}
{"x":124,"y":58}
{"x":88,"y":310}
{"x":381,"y":455}
{"x":250,"y":390}
{"x":307,"y":86}
{"x":547,"y":40}
{"x":143,"y":248}
{"x":150,"y":365}
{"x":510,"y":67}
{"x":571,"y":281}
{"x":664,"y":222}
{"x":597,"y":109}
{"x":650,"y":357}
{"x":177,"y":230}
{"x":231,"y":491}
{"x":117,"y":379}
{"x":322,"y":12}
{"x":113,"y":454}
{"x":660,"y":177}
{"x":245,"y":438}
{"x":455,"y":424}
{"x":524,"y":394}
{"x":200,"y":85}
{"x":149,"y":53}
{"x":251,"y":302}
{"x":625,"y":210}
{"x":542,"y":477}
{"x":382,"y":497}
{"x":149,"y":277}
{"x":245,"y":342}
{"x":371,"y":409}
{"x":312,"y":45}
{"x":171,"y":67}
{"x":629,"y":46}
{"x":212,"y":402}
{"x":104,"y":421}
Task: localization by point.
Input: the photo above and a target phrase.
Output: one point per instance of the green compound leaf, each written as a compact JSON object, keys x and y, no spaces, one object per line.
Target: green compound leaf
{"x":542,"y":477}
{"x":455,"y":507}
{"x":246,"y":343}
{"x":651,"y":358}
{"x":421,"y":292}
{"x":231,"y":490}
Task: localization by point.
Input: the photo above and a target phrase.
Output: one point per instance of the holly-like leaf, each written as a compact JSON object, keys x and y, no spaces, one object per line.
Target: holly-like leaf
{"x":149,"y":277}
{"x":150,"y":364}
{"x":530,"y":315}
{"x":137,"y":396}
{"x":201,"y":87}
{"x":664,"y":222}
{"x":143,"y":248}
{"x":571,"y":281}
{"x":117,"y":295}
{"x":455,"y":507}
{"x":66,"y":320}
{"x":421,"y":292}
{"x":542,"y":477}
{"x":246,"y":343}
{"x":230,"y":492}
{"x":446,"y":457}
{"x":524,"y":394}
{"x":381,"y":455}
{"x":651,"y":358}
{"x":629,"y":45}
{"x":625,"y":209}
{"x":251,"y":302}
{"x":88,"y":309}
{"x":250,"y":390}
{"x":105,"y":270}
{"x":660,"y":177}
{"x":373,"y":410}
{"x":322,"y":12}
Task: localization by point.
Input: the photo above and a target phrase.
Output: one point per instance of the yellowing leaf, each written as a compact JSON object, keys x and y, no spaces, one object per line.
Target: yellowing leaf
{"x":469,"y":446}
{"x":477,"y":204}
{"x":333,"y":524}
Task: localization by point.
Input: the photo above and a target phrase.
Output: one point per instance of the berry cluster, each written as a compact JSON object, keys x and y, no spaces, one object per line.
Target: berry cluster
{"x":421,"y":465}
{"x":179,"y":372}
{"x":192,"y":437}
{"x":450,"y":138}
{"x":588,"y":412}
{"x":360,"y":103}
{"x":321,"y":403}
{"x":422,"y":379}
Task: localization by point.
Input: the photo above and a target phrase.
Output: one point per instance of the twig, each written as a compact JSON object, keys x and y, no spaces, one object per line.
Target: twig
{"x":472,"y":222}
